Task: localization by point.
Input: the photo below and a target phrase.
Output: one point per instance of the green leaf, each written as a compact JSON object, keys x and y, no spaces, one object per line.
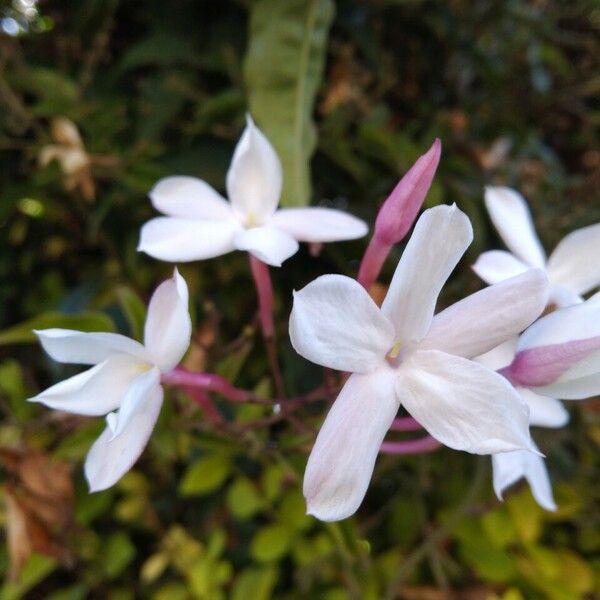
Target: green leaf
{"x":205,"y":475}
{"x":85,"y":321}
{"x":134,"y":309}
{"x":255,"y":583}
{"x":271,"y":543}
{"x":281,"y":92}
{"x":243,"y":499}
{"x":118,"y":552}
{"x":292,"y":511}
{"x":36,"y":568}
{"x":12,"y":385}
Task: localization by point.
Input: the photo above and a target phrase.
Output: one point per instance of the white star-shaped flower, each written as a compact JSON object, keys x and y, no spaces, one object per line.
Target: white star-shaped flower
{"x":124,"y":383}
{"x":201,"y":224}
{"x":573,"y":268}
{"x":402,"y":354}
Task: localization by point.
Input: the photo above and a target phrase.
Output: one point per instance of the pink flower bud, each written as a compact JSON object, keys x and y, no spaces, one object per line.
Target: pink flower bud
{"x":399,"y":211}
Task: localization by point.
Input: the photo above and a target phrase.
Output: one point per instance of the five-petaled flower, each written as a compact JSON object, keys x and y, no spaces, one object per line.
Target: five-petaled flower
{"x":402,"y":354}
{"x":124,"y":382}
{"x":201,"y":224}
{"x":573,"y":268}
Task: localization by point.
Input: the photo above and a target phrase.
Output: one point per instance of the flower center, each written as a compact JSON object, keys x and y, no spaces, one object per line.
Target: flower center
{"x":251,"y":220}
{"x":394,"y":357}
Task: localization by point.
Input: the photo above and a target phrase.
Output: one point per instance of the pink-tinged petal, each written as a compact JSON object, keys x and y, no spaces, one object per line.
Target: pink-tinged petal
{"x":96,"y":391}
{"x":109,"y":459}
{"x":341,"y":463}
{"x":399,"y":211}
{"x":574,"y":263}
{"x":335,"y":323}
{"x":168,"y":328}
{"x":497,"y":265}
{"x":268,"y":244}
{"x":562,"y":347}
{"x":546,"y":365}
{"x":509,"y":467}
{"x":462,"y":404}
{"x":69,"y":346}
{"x":510,"y":215}
{"x":141,"y":388}
{"x":544,"y":411}
{"x":318,"y":224}
{"x":489,"y":317}
{"x":440,"y":238}
{"x":189,"y":198}
{"x":569,"y":324}
{"x":255,"y":177}
{"x":183,"y":240}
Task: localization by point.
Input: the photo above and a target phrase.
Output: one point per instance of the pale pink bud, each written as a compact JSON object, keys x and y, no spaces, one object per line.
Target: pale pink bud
{"x":398,"y":213}
{"x":400,"y":209}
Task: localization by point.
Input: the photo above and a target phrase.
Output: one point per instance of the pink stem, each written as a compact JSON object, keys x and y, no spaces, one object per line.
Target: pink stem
{"x":264,"y":290}
{"x":372,"y":262}
{"x":419,"y":446}
{"x":405,"y":424}
{"x":211,"y":412}
{"x":207,"y":381}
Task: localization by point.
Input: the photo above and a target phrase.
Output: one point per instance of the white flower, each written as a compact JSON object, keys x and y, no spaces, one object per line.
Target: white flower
{"x":402,"y":354}
{"x":573,"y":268}
{"x":510,"y":467}
{"x":124,"y":384}
{"x":201,"y":224}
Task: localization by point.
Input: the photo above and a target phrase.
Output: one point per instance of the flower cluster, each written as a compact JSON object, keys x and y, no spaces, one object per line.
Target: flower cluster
{"x":474,"y":376}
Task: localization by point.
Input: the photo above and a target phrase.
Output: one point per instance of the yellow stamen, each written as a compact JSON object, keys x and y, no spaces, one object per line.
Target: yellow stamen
{"x":251,"y":220}
{"x":395,"y":350}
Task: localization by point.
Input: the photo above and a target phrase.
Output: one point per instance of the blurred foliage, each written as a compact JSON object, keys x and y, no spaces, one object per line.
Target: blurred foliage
{"x":214,"y":507}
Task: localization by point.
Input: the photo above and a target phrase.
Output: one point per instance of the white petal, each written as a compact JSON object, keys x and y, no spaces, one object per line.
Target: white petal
{"x":575,"y":389}
{"x":318,"y":224}
{"x":439,"y":239}
{"x":141,"y":388}
{"x":268,"y":244}
{"x":335,"y":323}
{"x":509,"y":467}
{"x":189,"y":198}
{"x":500,"y":356}
{"x":168,"y":326}
{"x":498,"y":265}
{"x":109,"y":459}
{"x":341,"y":463}
{"x":544,"y":411}
{"x":96,"y":391}
{"x":254,"y":178}
{"x":561,"y":297}
{"x":462,"y":404}
{"x":577,"y":322}
{"x":511,"y":217}
{"x":574,"y":263}
{"x":69,"y":346}
{"x":183,"y":240}
{"x":489,"y":317}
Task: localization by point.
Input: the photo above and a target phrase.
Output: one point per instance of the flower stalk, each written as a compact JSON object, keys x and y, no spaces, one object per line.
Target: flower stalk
{"x":418,"y":446}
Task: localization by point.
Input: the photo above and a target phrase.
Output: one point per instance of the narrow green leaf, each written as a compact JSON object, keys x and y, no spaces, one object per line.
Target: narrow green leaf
{"x":283,"y":70}
{"x":134,"y":309}
{"x":85,"y":321}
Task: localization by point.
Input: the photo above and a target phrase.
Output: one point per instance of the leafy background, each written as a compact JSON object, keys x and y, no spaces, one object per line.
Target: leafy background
{"x":351,"y":93}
